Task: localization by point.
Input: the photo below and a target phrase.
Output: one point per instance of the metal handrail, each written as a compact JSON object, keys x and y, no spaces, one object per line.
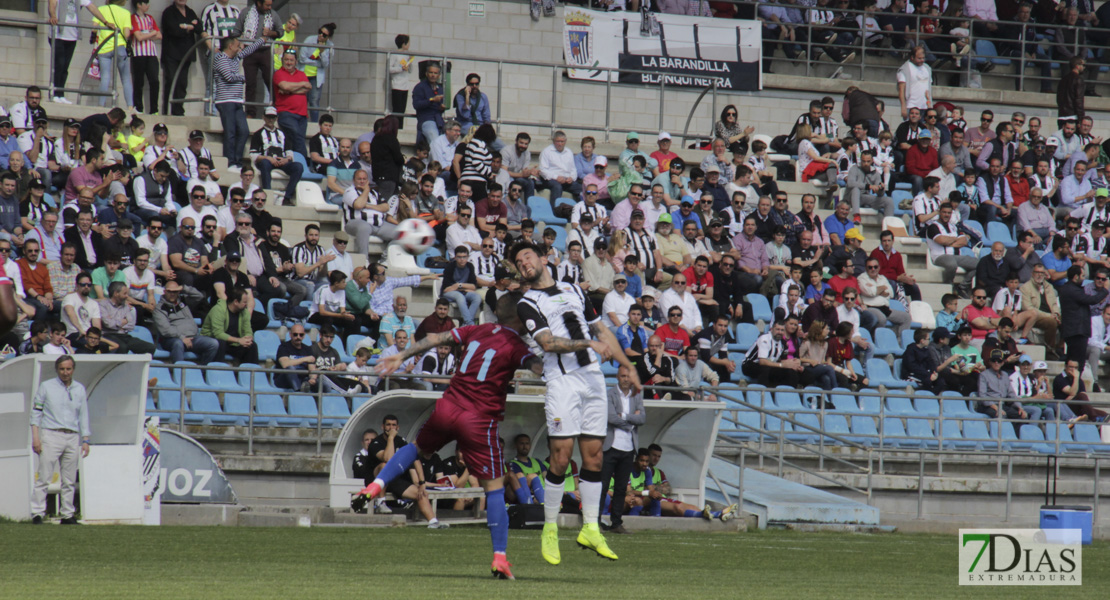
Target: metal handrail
{"x":50,"y":84}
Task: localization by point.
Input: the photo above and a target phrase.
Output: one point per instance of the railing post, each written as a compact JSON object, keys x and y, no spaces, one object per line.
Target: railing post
{"x":319,"y":410}
{"x":920,"y":482}
{"x":1094,"y":516}
{"x":53,"y":41}
{"x":1021,"y":59}
{"x":870,"y":470}
{"x":389,"y":84}
{"x":1009,"y":485}
{"x":808,"y":50}
{"x":115,"y":94}
{"x":250,"y":415}
{"x":500,"y":78}
{"x":180,"y":385}
{"x":713,"y":111}
{"x":608,"y":103}
{"x":782,"y":444}
{"x":662,"y":91}
{"x":554,"y":95}
{"x":740,"y":482}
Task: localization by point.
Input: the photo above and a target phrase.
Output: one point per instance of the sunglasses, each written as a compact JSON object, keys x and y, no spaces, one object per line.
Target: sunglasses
{"x":675,"y":315}
{"x":344,"y":242}
{"x":84,"y":285}
{"x":487,"y":245}
{"x":154,"y":228}
{"x":1019,"y":122}
{"x":591,"y":193}
{"x":200,"y":197}
{"x":730,"y":114}
{"x":243,"y":224}
{"x":980,"y":297}
{"x":188,"y":226}
{"x":987,"y":120}
{"x":631,"y":195}
{"x":679,"y":282}
{"x":296,"y":335}
{"x":730,"y":265}
{"x":849,"y":297}
{"x":875,"y":267}
{"x":830,"y":107}
{"x":5,"y":249}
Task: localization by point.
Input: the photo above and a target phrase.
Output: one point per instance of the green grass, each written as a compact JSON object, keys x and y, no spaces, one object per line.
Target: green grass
{"x":216,"y":562}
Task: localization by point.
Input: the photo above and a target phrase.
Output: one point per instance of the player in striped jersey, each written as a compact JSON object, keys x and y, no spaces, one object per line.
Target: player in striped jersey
{"x":561,"y":321}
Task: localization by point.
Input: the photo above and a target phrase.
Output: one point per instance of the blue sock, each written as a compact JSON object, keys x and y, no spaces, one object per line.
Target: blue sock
{"x":715,"y":514}
{"x":497,"y":518}
{"x":537,"y":490}
{"x":523,"y":496}
{"x":655,"y":508}
{"x":401,"y":461}
{"x":608,"y":501}
{"x":692,"y":513}
{"x":635,"y":511}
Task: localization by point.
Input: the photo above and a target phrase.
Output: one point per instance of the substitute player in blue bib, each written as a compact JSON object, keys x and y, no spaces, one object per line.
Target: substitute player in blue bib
{"x":469,"y":411}
{"x":562,"y":322}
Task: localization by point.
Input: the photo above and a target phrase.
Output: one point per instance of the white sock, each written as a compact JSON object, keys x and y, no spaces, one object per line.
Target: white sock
{"x":433,"y":521}
{"x":591,"y":500}
{"x":552,"y":500}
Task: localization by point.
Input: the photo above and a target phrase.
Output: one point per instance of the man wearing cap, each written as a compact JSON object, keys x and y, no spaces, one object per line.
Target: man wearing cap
{"x":187,"y":159}
{"x":663,"y":155}
{"x":995,"y":390}
{"x":641,"y":242}
{"x":272,"y":149}
{"x":177,"y":331}
{"x":291,"y":87}
{"x":617,"y":302}
{"x":672,"y":182}
{"x":631,"y":149}
{"x":122,"y":242}
{"x":921,"y":159}
{"x":672,"y":248}
{"x":8,"y":142}
{"x":597,"y":271}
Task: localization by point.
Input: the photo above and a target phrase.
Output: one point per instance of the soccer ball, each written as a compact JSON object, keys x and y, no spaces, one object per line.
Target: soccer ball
{"x":415,"y":236}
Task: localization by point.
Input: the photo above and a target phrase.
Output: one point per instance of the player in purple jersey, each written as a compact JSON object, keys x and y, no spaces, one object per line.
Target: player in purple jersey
{"x":469,"y":412}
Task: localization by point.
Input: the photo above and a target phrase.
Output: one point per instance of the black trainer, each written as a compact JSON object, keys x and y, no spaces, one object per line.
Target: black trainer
{"x":36,"y":520}
{"x":70,"y":521}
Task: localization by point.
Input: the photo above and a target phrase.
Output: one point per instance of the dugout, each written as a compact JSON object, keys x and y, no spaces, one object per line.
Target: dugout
{"x":110,"y":479}
{"x":686,"y":430}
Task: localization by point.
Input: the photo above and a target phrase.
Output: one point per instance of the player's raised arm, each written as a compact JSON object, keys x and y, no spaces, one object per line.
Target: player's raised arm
{"x":390,"y":364}
{"x":606,"y":337}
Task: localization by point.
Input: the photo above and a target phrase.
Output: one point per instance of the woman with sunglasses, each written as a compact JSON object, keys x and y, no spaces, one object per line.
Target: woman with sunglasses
{"x":316,"y":61}
{"x":729,"y":130}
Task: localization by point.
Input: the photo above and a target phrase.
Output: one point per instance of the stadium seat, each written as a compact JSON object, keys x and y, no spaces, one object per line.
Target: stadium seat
{"x":194,"y":379}
{"x":352,"y":342}
{"x":1066,"y":442}
{"x":976,"y":429}
{"x":222,"y":380}
{"x":304,"y":406}
{"x":998,"y":231}
{"x":431,"y":252}
{"x":309,"y":194}
{"x":886,"y":343}
{"x":270,"y":409}
{"x":864,"y":430}
{"x":899,"y":406}
{"x":845,"y":403}
{"x":541,"y":211}
{"x":357,"y":401}
{"x":1032,"y":433}
{"x":747,"y":426}
{"x":907,"y":338}
{"x":745,"y":336}
{"x":1009,"y":436}
{"x":268,"y":343}
{"x":169,"y":405}
{"x":894,"y":434}
{"x":757,"y":395}
{"x":309,"y":174}
{"x":761,"y":309}
{"x":1088,"y":433}
{"x":922,"y":429}
{"x":922,"y":312}
{"x":955,"y":406}
{"x":814,"y":426}
{"x":898,"y":196}
{"x":165,"y":377}
{"x":953,"y":438}
{"x":926,"y":404}
{"x":870,"y":404}
{"x":788,"y":400}
{"x":142,"y":333}
{"x":261,"y":382}
{"x":208,"y":408}
{"x":837,"y":425}
{"x":737,"y":375}
{"x":238,"y":406}
{"x":897,"y":226}
{"x":878,"y":371}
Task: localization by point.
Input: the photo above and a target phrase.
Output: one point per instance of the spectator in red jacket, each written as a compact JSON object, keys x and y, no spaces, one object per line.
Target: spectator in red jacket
{"x":921,"y":159}
{"x":1019,"y":183}
{"x":892,"y":267}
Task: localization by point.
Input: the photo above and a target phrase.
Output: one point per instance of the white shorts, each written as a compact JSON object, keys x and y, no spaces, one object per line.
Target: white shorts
{"x":575,"y":404}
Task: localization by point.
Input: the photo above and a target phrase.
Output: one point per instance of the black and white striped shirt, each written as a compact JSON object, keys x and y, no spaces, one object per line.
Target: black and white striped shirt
{"x":266,"y":142}
{"x":563,"y":310}
{"x":596,"y":211}
{"x":218,"y":20}
{"x":190,"y":161}
{"x":499,"y":248}
{"x":327,"y":147}
{"x":765,"y":347}
{"x":642,"y":245}
{"x":587,"y":240}
{"x":476,"y":162}
{"x":227,"y":74}
{"x":485,"y":267}
{"x":569,"y":272}
{"x":374,"y":217}
{"x":304,"y":255}
{"x":430,"y":364}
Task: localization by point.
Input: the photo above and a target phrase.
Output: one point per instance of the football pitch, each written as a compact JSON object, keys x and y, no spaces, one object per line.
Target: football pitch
{"x":325,"y":562}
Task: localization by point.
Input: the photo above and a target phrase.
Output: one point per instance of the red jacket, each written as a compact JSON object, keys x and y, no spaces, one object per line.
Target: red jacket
{"x":891,"y":268}
{"x":921,"y":163}
{"x":1019,"y":189}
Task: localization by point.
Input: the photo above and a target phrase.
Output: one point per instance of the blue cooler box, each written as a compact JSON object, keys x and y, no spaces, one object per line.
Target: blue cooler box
{"x":1067,"y":517}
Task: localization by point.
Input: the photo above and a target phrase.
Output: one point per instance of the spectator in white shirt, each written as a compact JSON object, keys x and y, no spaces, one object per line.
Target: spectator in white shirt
{"x":463,"y":233}
{"x":679,"y":296}
{"x":198,"y":207}
{"x":342,"y":261}
{"x":204,"y":178}
{"x":617,"y":302}
{"x":1098,"y":347}
{"x":557,"y":169}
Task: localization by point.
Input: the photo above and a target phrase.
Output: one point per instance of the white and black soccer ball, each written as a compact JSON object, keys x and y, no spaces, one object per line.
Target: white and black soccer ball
{"x":415,"y":236}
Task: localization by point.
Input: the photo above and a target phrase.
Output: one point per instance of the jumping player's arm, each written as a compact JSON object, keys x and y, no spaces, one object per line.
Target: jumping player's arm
{"x":605,"y":336}
{"x":390,"y":364}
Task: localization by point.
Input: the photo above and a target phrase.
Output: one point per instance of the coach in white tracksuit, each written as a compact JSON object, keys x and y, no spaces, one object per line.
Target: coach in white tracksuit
{"x":59,"y":430}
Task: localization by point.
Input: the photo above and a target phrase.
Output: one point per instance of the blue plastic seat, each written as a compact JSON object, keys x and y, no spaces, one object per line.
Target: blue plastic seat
{"x":976,"y":429}
{"x":541,"y":211}
{"x":894,"y":434}
{"x":165,"y":377}
{"x":955,"y":406}
{"x":745,"y":336}
{"x":998,"y":231}
{"x":737,"y":375}
{"x":898,"y":196}
{"x":208,"y":409}
{"x":788,"y":401}
{"x":926,"y":404}
{"x":899,"y":406}
{"x":222,"y":380}
{"x":837,"y":425}
{"x":747,"y":426}
{"x":239,"y":405}
{"x":1088,"y":433}
{"x":169,"y":403}
{"x":353,"y":341}
{"x":886,"y":342}
{"x":268,"y":343}
{"x":864,"y":430}
{"x":262,"y":382}
{"x":761,"y":309}
{"x":271,"y":410}
{"x":922,"y":429}
{"x":309,"y":174}
{"x":759,"y":397}
{"x":1067,"y":444}
{"x":879,"y":374}
{"x":845,"y":403}
{"x":142,"y":333}
{"x":1032,"y":433}
{"x":1009,"y":436}
{"x":811,"y":420}
{"x":907,"y":338}
{"x":194,"y":380}
{"x":304,"y":406}
{"x":954,"y":438}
